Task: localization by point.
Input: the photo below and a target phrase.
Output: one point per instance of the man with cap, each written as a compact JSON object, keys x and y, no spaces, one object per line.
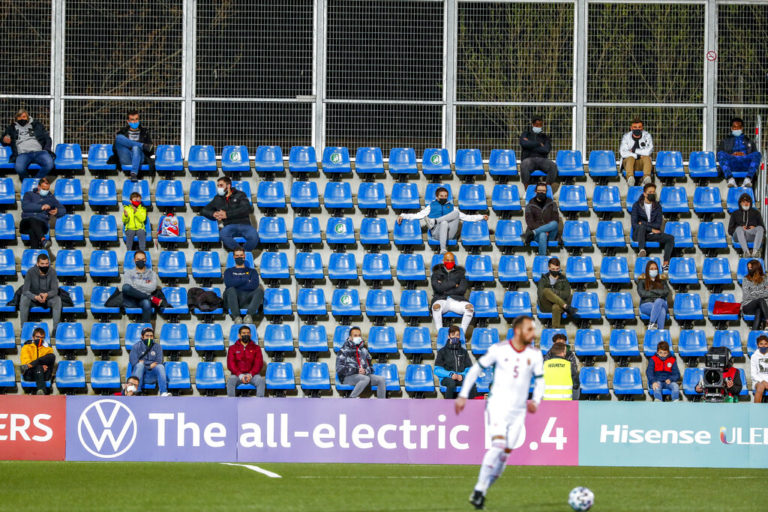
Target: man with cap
{"x":147,"y":358}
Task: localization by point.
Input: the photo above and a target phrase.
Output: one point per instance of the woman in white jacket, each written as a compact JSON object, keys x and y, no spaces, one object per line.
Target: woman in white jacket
{"x":636,"y":145}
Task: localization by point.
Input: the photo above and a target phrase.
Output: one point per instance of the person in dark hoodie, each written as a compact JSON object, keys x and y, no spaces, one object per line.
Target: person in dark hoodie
{"x":41,"y":289}
{"x":146,"y":357}
{"x":646,"y":225}
{"x":738,"y":153}
{"x":244,"y":361}
{"x":561,"y":371}
{"x":746,"y":225}
{"x":452,"y":364}
{"x":536,"y":146}
{"x":663,"y":373}
{"x":38,"y":208}
{"x":133,"y":145}
{"x":242,"y":289}
{"x":542,"y":220}
{"x":449,"y":282}
{"x":231,"y":208}
{"x":30,"y":143}
{"x":354,"y":366}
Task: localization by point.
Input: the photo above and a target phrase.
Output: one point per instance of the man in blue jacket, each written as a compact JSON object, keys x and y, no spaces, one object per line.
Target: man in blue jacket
{"x":30,"y":143}
{"x":146,"y":357}
{"x":38,"y":208}
{"x":242,"y":289}
{"x":646,"y":224}
{"x":737,"y":153}
{"x":663,"y":373}
{"x":452,"y":364}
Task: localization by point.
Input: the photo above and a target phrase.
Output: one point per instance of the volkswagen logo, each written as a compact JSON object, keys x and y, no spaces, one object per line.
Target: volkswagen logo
{"x":107,"y":429}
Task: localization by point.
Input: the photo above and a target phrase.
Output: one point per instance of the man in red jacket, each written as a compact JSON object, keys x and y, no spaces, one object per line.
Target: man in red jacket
{"x":244,"y":360}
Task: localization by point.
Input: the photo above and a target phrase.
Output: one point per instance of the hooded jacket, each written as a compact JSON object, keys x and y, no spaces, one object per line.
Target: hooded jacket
{"x":32,"y":205}
{"x":536,"y":214}
{"x":741,"y":218}
{"x":638,"y":214}
{"x":449,"y":284}
{"x":153,"y":355}
{"x":535,"y":144}
{"x":242,"y":359}
{"x":351,"y":358}
{"x":452,"y":359}
{"x":236,"y":206}
{"x":134,"y":218}
{"x":39,"y":132}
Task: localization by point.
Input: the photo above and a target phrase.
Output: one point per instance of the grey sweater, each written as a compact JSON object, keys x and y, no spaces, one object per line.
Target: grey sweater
{"x":36,"y":283}
{"x":751,"y":291}
{"x":144,"y":281}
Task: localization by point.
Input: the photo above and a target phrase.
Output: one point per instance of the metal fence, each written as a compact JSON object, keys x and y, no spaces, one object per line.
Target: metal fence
{"x":388,"y":73}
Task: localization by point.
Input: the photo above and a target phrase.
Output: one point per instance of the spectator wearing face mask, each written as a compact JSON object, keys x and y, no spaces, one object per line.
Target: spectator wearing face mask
{"x":654,"y":294}
{"x":39,"y":208}
{"x":146,"y":358}
{"x":139,"y":285}
{"x":449,"y":282}
{"x":561,"y":375}
{"x":738,"y":153}
{"x":244,"y":361}
{"x":746,"y":225}
{"x":754,"y":295}
{"x":133,"y":145}
{"x":41,"y":289}
{"x":354,"y":366}
{"x":542,"y":220}
{"x":662,"y":373}
{"x":134,"y":219}
{"x":452,"y":364}
{"x":636,"y":148}
{"x":242,"y":289}
{"x":536,"y":147}
{"x":30,"y":143}
{"x":37,"y":360}
{"x":441,"y":218}
{"x":555,"y":294}
{"x":231,"y":208}
{"x":758,"y":364}
{"x":570,"y":356}
{"x":646,"y":225}
{"x":130,"y":388}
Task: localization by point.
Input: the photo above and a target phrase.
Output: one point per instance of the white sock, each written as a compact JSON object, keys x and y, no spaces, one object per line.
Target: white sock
{"x":494,"y":462}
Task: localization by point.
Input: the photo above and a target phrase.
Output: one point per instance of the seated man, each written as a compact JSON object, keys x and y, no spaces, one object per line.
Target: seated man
{"x":554,"y":294}
{"x":231,"y":208}
{"x":561,"y":376}
{"x":245,"y":361}
{"x":570,"y":356}
{"x":663,"y":373}
{"x":41,"y":288}
{"x":746,"y":225}
{"x":30,"y":143}
{"x":449,"y":282}
{"x":242,"y":289}
{"x":37,"y":360}
{"x":646,"y":225}
{"x":441,"y":218}
{"x":542,"y":220}
{"x":139,"y":285}
{"x":146,"y":357}
{"x":354,"y":368}
{"x":536,"y":147}
{"x":133,"y":145}
{"x":39,"y":208}
{"x":130,"y":388}
{"x":636,"y":145}
{"x":737,"y":153}
{"x":452,"y":364}
{"x":758,"y":365}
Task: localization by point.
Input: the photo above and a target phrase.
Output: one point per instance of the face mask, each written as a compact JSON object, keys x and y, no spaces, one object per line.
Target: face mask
{"x":541,"y":197}
{"x":134,"y":126}
{"x":130,"y":389}
{"x":637,"y":133}
{"x":357,"y":340}
{"x":43,"y":270}
{"x":554,"y":273}
{"x":141,"y":264}
{"x":239,"y":261}
{"x":449,"y":264}
{"x":651,"y":197}
{"x":454,"y":341}
{"x":222,"y":191}
{"x":22,"y":122}
{"x":763,"y":350}
{"x":442,"y":201}
{"x":737,"y":133}
{"x":149,"y":341}
{"x":245,"y":338}
{"x":536,"y":129}
{"x":751,"y":271}
{"x":136,"y":203}
{"x":44,"y":192}
{"x":653,"y":273}
{"x":746,"y":208}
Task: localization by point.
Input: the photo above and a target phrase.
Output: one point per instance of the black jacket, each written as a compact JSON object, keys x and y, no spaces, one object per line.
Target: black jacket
{"x":535,"y":144}
{"x":728,"y":142}
{"x":537,"y":215}
{"x":751,"y":217}
{"x":144,"y":138}
{"x":447,"y":284}
{"x":237,"y":207}
{"x":638,"y":215}
{"x":453,"y":359}
{"x":40,"y":134}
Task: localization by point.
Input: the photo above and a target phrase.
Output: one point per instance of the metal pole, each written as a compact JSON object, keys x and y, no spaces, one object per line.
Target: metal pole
{"x":580,"y":77}
{"x":320,"y":41}
{"x":189,"y":55}
{"x":710,"y":75}
{"x":450,"y":28}
{"x":57,"y":72}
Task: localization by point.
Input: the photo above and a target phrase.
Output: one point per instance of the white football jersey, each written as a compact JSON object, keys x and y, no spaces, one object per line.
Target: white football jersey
{"x":512,"y":375}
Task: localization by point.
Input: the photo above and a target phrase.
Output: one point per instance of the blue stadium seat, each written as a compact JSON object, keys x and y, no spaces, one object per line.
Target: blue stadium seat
{"x":5,"y":155}
{"x":104,"y":337}
{"x":580,"y":269}
{"x":692,"y":343}
{"x":98,"y":155}
{"x":374,"y":231}
{"x":304,"y":194}
{"x":627,"y":381}
{"x":371,"y":196}
{"x":573,"y":198}
{"x":235,"y":159}
{"x":389,"y":371}
{"x":416,"y":340}
{"x":336,"y":160}
{"x":593,"y":380}
{"x":475,"y":234}
{"x":244,"y":187}
{"x":669,"y":164}
{"x":69,"y":228}
{"x":28,"y":185}
{"x":512,"y":269}
{"x":691,"y":378}
{"x":516,"y":304}
{"x":618,"y":306}
{"x":274,"y":265}
{"x":506,"y":198}
{"x":472,"y":197}
{"x":105,"y":375}
{"x":369,"y":161}
{"x":419,"y":378}
{"x":206,"y":265}
{"x":102,"y":193}
{"x":7,"y":192}
{"x":652,"y":339}
{"x":707,"y":200}
{"x":484,"y":302}
{"x":29,"y":259}
{"x":7,"y":226}
{"x":732,"y":200}
{"x":209,"y":376}
{"x":277,"y":302}
{"x":78,"y":300}
{"x":204,"y":230}
{"x":741,"y":269}
{"x":376,"y":267}
{"x":688,"y":307}
{"x":209,"y":338}
{"x":28,"y":328}
{"x":178,"y":304}
{"x":569,"y":164}
{"x":201,"y":192}
{"x":716,"y":271}
{"x":606,"y":199}
{"x":683,"y":271}
{"x":674,"y":200}
{"x":69,"y":157}
{"x":576,"y":234}
{"x":442,"y":338}
{"x":540,"y":267}
{"x":177,"y":374}
{"x":752,"y":341}
{"x":277,"y":338}
{"x":70,"y":336}
{"x":280,"y":376}
{"x":141,"y":186}
{"x":429,"y":195}
{"x":623,"y":343}
{"x":682,"y":233}
{"x":172,"y":265}
{"x":169,"y":159}
{"x":436,"y":162}
{"x":103,"y":264}
{"x":6,"y":294}
{"x":479,"y":268}
{"x":408,"y":232}
{"x":69,"y":192}
{"x":68,"y":265}
{"x":308,"y":266}
{"x":70,"y":375}
{"x":345,"y":302}
{"x":712,"y":235}
{"x":701,"y":164}
{"x":641,"y":263}
{"x":633,"y":194}
{"x":310,"y":302}
{"x":174,"y":337}
{"x":530,"y":193}
{"x":315,"y":377}
{"x":340,"y":335}
{"x":272,"y":230}
{"x":342,"y":266}
{"x":732,"y":340}
{"x":169,"y":194}
{"x":202,"y":159}
{"x":380,"y":303}
{"x":270,"y":194}
{"x":469,"y":162}
{"x":302,"y":159}
{"x":744,"y":388}
{"x":337,"y":195}
{"x":402,"y":161}
{"x":602,"y":164}
{"x":268,"y":159}
{"x":589,"y":343}
{"x":382,"y":340}
{"x":588,"y":305}
{"x":312,"y":338}
{"x":306,"y":230}
{"x":410,"y":267}
{"x":405,"y":196}
{"x":414,"y":303}
{"x":502,"y":162}
{"x":614,"y":270}
{"x":509,"y":233}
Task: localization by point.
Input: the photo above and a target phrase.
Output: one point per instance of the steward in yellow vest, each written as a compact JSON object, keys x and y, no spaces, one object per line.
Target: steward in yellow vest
{"x":560,"y":374}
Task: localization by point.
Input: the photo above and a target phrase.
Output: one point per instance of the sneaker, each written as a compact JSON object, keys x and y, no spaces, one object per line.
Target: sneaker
{"x":247,"y":319}
{"x":134,"y":177}
{"x":47,"y":244}
{"x":166,"y":394}
{"x":747,"y":254}
{"x":40,"y":392}
{"x":646,"y":180}
{"x":746,"y":183}
{"x":528,"y":237}
{"x":652,"y":327}
{"x":642,"y":253}
{"x":630,"y":181}
{"x":570,"y":310}
{"x":477,"y":499}
{"x":237,"y":319}
{"x":665,"y":269}
{"x":731,"y":182}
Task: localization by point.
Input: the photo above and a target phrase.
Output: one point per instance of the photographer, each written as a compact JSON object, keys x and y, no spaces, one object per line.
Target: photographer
{"x":731,"y":381}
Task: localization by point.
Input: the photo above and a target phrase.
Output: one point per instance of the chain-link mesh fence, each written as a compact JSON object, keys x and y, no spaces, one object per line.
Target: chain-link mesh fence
{"x":26,"y":54}
{"x":748,"y":115}
{"x":742,"y":63}
{"x":37,"y":109}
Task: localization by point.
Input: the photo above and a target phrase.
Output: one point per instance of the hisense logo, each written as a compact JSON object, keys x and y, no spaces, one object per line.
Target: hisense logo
{"x":622,"y":434}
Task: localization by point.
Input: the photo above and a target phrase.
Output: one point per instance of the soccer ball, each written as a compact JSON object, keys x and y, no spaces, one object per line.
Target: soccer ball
{"x":581,"y":499}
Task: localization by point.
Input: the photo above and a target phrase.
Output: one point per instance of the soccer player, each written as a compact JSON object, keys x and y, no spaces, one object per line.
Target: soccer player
{"x":516,"y":362}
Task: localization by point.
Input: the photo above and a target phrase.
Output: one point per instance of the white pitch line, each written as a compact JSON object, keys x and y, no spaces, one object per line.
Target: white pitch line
{"x":254,"y":468}
{"x":543,"y":477}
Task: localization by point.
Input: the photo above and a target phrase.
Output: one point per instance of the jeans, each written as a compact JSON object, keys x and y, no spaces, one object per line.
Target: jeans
{"x":755,"y":235}
{"x":748,"y":163}
{"x":673,"y":387}
{"x":657,"y":310}
{"x":41,"y":158}
{"x":362,"y":381}
{"x":231,"y":231}
{"x":450,"y":305}
{"x":538,"y":163}
{"x":133,"y":298}
{"x":450,"y":388}
{"x":257,"y":380}
{"x":642,"y":235}
{"x":140,"y":234}
{"x":36,"y":229}
{"x":158,"y":371}
{"x":236,"y":299}
{"x":130,"y":153}
{"x":36,"y":372}
{"x":445,"y":228}
{"x":25,"y":304}
{"x":544,"y":234}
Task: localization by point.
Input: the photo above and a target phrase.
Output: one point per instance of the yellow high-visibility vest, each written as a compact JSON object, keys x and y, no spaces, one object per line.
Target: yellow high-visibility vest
{"x":557,"y":379}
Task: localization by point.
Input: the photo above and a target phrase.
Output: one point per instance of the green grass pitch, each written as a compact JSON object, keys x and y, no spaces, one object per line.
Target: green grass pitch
{"x":143,"y":487}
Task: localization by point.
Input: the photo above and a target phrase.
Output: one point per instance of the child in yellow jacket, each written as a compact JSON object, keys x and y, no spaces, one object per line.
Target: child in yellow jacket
{"x":134,"y":219}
